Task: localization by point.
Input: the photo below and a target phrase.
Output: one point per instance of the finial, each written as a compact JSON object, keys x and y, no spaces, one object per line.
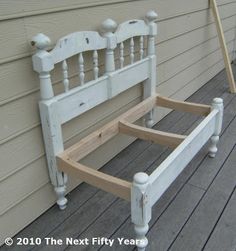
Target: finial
{"x":151,"y":16}
{"x":41,"y":41}
{"x":141,"y":178}
{"x":217,"y":101}
{"x":109,"y":26}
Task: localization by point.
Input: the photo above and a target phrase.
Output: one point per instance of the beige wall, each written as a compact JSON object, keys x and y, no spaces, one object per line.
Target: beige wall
{"x":188,"y":56}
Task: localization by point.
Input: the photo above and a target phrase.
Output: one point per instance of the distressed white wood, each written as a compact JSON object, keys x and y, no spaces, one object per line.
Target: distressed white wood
{"x":108,"y":27}
{"x":150,"y":84}
{"x":131,"y":28}
{"x":129,"y":76}
{"x":43,"y":64}
{"x":95,"y":64}
{"x":122,"y":55}
{"x":56,"y":110}
{"x":81,"y":99}
{"x":141,"y":47}
{"x":141,"y":208}
{"x":172,"y":166}
{"x":131,"y":50}
{"x":53,"y":145}
{"x":65,"y":75}
{"x":81,"y":69}
{"x":217,"y":104}
{"x":75,"y":43}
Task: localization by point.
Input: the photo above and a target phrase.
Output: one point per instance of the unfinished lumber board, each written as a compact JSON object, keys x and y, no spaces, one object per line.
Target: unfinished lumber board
{"x":224,"y":49}
{"x":108,"y":183}
{"x":163,"y":138}
{"x":183,"y":106}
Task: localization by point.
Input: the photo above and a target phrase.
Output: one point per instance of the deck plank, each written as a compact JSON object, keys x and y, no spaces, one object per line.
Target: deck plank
{"x":199,"y":226}
{"x":223,"y":236}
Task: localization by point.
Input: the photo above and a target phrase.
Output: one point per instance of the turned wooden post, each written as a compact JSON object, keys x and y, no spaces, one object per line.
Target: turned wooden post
{"x":108,"y":28}
{"x":150,"y":84}
{"x":141,"y":208}
{"x":43,"y":64}
{"x":217,"y":104}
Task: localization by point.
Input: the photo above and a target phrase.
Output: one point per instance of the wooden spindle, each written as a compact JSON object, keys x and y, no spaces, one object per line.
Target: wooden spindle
{"x":122,"y":55}
{"x":81,"y":69}
{"x":132,"y":50}
{"x":141,"y":51}
{"x":95,"y":64}
{"x":65,"y":75}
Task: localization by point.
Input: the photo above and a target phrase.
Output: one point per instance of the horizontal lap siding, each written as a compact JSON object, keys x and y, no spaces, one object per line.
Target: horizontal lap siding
{"x":188,"y":56}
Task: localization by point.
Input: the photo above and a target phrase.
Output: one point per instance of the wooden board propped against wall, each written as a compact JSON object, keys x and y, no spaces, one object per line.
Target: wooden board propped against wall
{"x":224,"y":49}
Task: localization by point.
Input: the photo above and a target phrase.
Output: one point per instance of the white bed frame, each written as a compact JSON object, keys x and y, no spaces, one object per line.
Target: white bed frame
{"x":145,"y":190}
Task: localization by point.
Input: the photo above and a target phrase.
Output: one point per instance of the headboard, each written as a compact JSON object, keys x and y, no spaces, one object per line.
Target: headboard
{"x":59,"y":109}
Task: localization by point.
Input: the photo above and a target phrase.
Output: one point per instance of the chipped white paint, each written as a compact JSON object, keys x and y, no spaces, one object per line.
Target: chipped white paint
{"x":131,"y":50}
{"x":65,"y":75}
{"x":95,"y":64}
{"x":217,"y":104}
{"x":141,"y":51}
{"x":57,"y":110}
{"x":150,"y":85}
{"x":108,"y":27}
{"x":122,"y":55}
{"x":141,"y":208}
{"x":81,"y":68}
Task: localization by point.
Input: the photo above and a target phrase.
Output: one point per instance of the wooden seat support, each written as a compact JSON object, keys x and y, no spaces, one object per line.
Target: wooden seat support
{"x":163,"y":138}
{"x":68,"y":160}
{"x":108,"y":183}
{"x":198,"y":109}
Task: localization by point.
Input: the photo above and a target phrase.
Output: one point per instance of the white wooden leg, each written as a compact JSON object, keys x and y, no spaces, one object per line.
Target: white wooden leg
{"x":213,"y":146}
{"x":216,"y":104}
{"x":141,"y":238}
{"x":149,"y":119}
{"x":141,"y":208}
{"x":60,"y":192}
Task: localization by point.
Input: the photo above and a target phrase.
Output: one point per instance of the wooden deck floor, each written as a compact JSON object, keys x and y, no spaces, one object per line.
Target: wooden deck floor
{"x":198,"y":211}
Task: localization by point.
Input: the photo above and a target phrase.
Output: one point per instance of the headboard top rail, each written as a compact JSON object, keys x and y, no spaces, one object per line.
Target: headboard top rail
{"x":138,"y":66}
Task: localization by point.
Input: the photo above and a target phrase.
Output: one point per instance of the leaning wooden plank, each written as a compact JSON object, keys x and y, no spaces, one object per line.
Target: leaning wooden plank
{"x":198,"y":109}
{"x":99,"y":137}
{"x":163,"y":138}
{"x":167,"y":172}
{"x":225,"y":52}
{"x":108,"y":183}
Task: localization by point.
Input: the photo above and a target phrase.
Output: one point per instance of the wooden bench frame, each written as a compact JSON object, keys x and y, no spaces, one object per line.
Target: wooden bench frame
{"x":145,"y":190}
